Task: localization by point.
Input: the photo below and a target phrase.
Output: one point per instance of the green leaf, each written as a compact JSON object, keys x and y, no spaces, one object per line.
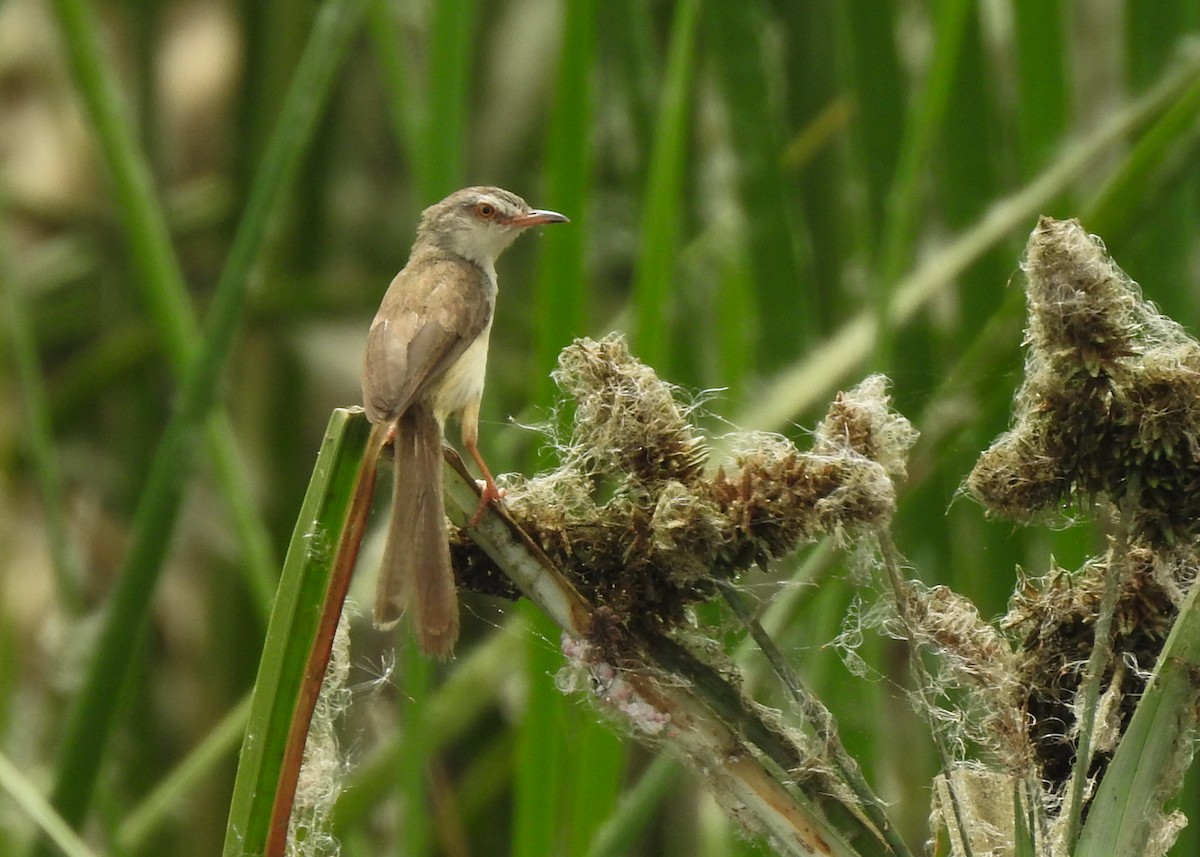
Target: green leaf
{"x":292,"y":631}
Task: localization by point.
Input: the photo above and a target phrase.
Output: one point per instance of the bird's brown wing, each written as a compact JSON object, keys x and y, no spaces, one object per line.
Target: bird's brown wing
{"x":432,"y":311}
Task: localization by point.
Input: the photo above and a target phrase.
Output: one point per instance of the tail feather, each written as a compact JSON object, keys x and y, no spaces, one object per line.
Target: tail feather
{"x":416,"y":577}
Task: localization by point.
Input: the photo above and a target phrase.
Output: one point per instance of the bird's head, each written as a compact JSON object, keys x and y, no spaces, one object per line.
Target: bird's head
{"x":479,"y":223}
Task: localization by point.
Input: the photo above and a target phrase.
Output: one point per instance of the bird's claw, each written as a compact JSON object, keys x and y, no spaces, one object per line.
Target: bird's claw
{"x":489,"y":492}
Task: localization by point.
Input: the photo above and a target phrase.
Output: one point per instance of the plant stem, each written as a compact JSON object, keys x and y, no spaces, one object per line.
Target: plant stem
{"x":1098,"y":661}
{"x":708,"y":716}
{"x":923,"y":682}
{"x":822,"y":721}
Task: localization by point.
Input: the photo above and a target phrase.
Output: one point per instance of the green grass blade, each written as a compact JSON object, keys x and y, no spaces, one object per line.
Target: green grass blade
{"x":159,"y":276}
{"x":561,"y":290}
{"x":872,"y":68}
{"x":540,"y":775}
{"x":68,"y":571}
{"x":664,"y":201}
{"x":1151,"y":34}
{"x":1147,"y":767}
{"x":1024,"y":823}
{"x":405,"y":110}
{"x":595,"y":761}
{"x":93,"y":712}
{"x":161,"y":805}
{"x":619,"y":833}
{"x":411,"y":775}
{"x":627,"y":40}
{"x":292,"y":629}
{"x":904,"y":199}
{"x":1043,"y":103}
{"x":452,"y":42}
{"x":31,"y":803}
{"x":1117,"y":205}
{"x":133,"y":188}
{"x":1165,"y":219}
{"x":573,"y":742}
{"x":777,"y":266}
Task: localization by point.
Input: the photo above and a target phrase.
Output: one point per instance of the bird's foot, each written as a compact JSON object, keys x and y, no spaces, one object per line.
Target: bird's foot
{"x":489,"y":492}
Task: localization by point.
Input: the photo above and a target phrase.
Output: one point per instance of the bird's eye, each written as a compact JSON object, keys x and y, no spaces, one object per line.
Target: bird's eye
{"x":485,"y":210}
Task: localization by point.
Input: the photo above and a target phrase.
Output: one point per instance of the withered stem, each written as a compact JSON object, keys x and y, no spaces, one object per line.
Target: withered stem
{"x":822,"y":721}
{"x":922,"y":680}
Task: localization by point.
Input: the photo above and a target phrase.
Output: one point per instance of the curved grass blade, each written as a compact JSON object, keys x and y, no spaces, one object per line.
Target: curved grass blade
{"x":292,"y":632}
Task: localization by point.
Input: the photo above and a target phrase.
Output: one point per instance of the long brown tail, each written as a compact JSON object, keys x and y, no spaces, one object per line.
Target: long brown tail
{"x":416,"y":576}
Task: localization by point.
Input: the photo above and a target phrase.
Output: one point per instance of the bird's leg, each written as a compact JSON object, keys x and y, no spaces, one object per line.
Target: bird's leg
{"x":491,"y":491}
{"x":470,"y":435}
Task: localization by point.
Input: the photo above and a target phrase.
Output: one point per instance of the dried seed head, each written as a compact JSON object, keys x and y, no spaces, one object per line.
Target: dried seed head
{"x":626,"y":419}
{"x":1055,"y":617}
{"x":1110,"y":405}
{"x":632,"y":518}
{"x":861,"y":422}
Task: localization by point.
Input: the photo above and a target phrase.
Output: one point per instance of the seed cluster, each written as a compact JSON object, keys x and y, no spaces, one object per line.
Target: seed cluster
{"x":1110,"y":405}
{"x":1055,"y":617}
{"x":1109,"y":412}
{"x":641,"y":521}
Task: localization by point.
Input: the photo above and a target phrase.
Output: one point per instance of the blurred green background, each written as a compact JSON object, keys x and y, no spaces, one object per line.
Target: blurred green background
{"x":771,"y":199}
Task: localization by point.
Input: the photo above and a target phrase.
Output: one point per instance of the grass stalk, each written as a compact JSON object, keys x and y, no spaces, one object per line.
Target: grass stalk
{"x":811,"y":378}
{"x":1098,"y":661}
{"x":404,"y":109}
{"x":904,"y":199}
{"x":821,"y":720}
{"x":38,"y":430}
{"x":540,"y":778}
{"x":93,"y":713}
{"x":412,"y":774}
{"x":32,"y":804}
{"x":923,"y":683}
{"x":561,"y":290}
{"x":663,"y":200}
{"x":157,"y":267}
{"x":453,"y":39}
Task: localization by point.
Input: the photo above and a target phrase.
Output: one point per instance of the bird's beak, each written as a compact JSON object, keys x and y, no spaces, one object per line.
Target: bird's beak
{"x":539,"y":216}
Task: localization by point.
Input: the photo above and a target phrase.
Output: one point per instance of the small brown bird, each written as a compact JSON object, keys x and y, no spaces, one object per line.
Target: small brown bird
{"x":426,"y":359}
